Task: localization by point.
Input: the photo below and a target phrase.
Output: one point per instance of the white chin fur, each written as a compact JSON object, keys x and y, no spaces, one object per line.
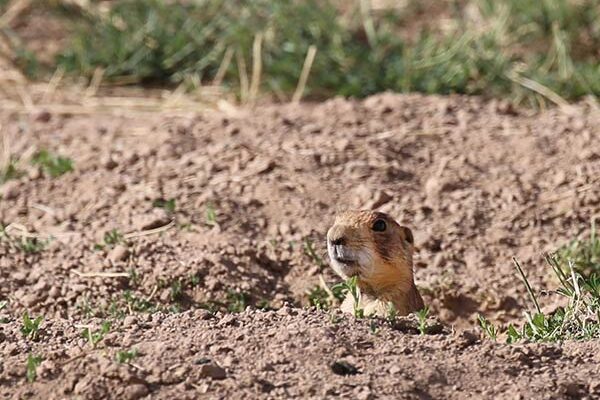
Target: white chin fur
{"x":362,"y":257}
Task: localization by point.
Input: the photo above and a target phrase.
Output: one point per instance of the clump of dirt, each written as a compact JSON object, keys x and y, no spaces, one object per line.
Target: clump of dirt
{"x":223,"y":210}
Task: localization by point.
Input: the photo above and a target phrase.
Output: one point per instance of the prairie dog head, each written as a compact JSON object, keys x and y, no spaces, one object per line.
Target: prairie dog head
{"x":373,"y":247}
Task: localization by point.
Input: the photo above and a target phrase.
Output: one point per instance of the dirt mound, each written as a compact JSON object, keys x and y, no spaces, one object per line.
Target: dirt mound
{"x":289,"y":353}
{"x":222,"y":210}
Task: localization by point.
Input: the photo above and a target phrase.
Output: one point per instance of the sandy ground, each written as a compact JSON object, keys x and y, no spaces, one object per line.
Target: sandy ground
{"x":478,"y":183}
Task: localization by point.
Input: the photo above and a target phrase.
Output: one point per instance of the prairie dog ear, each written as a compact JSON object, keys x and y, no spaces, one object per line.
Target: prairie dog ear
{"x":407,"y":235}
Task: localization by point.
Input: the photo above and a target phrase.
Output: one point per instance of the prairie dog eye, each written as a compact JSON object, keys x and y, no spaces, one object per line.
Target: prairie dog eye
{"x":379,"y":226}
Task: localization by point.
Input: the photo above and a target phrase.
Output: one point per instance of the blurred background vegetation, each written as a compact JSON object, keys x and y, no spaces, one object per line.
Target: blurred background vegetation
{"x":530,"y":51}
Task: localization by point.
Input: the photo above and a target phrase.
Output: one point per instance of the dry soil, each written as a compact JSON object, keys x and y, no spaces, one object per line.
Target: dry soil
{"x":254,"y":191}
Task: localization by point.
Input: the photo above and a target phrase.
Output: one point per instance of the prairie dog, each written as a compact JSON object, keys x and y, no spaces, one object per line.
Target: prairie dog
{"x":377,"y":250}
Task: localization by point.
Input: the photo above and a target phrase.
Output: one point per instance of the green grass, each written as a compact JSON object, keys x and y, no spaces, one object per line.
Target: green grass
{"x":309,"y":250}
{"x":27,"y":245}
{"x":210,"y":215}
{"x":31,"y":327}
{"x":31,"y":367}
{"x":125,"y":356}
{"x":9,"y":171}
{"x":176,"y":292}
{"x":323,"y":299}
{"x":168,"y":205}
{"x":422,"y":318}
{"x":120,"y":305}
{"x":52,"y":164}
{"x":578,"y":320}
{"x":351,"y":286}
{"x":111,"y":239}
{"x":319,"y":298}
{"x":237,"y":301}
{"x":583,"y":253}
{"x":137,"y":304}
{"x":31,"y":245}
{"x":488,"y":328}
{"x":95,"y":336}
{"x":530,"y":51}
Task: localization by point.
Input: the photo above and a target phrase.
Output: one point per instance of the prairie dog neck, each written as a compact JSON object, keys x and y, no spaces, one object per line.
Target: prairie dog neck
{"x":403,"y":303}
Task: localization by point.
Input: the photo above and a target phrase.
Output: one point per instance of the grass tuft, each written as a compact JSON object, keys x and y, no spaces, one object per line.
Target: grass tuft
{"x":126,"y":356}
{"x":487,"y":327}
{"x":532,"y":52}
{"x":237,"y":301}
{"x":110,"y":240}
{"x":30,"y":326}
{"x":324,"y":298}
{"x":309,"y":250}
{"x":9,"y":171}
{"x":351,"y":286}
{"x":168,"y":205}
{"x":94,"y":337}
{"x":319,"y":298}
{"x":211,"y":215}
{"x":422,"y":317}
{"x":584,"y":253}
{"x":53,"y":165}
{"x":578,"y":320}
{"x":30,"y":245}
{"x":32,"y":363}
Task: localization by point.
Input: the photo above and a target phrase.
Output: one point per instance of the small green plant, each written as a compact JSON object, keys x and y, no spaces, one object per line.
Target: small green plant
{"x":237,"y":301}
{"x":373,"y":326}
{"x":263,"y":305}
{"x":30,"y":326}
{"x":584,"y":254}
{"x":9,"y":171}
{"x":31,"y":245}
{"x":32,"y":363}
{"x":319,"y":298}
{"x":212,"y":306}
{"x":324,"y":297}
{"x":194,"y":280}
{"x":115,"y":310}
{"x":578,"y":320}
{"x":137,"y":304}
{"x":134,"y":277}
{"x":487,"y":327}
{"x":53,"y":165}
{"x":176,"y":290}
{"x":126,"y":356}
{"x":94,"y":337}
{"x":211,"y":215}
{"x":309,"y":249}
{"x":422,"y":318}
{"x":111,"y":239}
{"x":392,"y":312}
{"x":84,"y":307}
{"x":351,"y":286}
{"x":334,"y":319}
{"x":512,"y":335}
{"x":168,"y":205}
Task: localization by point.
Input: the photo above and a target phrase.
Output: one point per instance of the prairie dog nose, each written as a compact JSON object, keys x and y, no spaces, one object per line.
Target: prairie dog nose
{"x":340,"y":241}
{"x":336,"y":236}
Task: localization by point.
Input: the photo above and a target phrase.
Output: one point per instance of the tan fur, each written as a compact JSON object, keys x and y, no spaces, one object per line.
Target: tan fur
{"x":386,"y":278}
